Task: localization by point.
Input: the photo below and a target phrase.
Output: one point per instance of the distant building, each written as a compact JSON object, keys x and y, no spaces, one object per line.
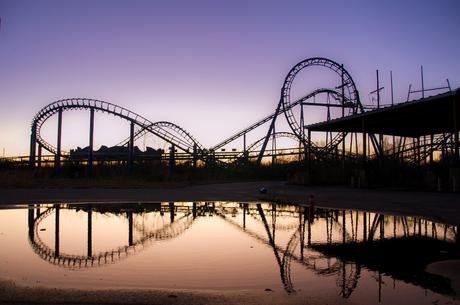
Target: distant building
{"x":115,"y":152}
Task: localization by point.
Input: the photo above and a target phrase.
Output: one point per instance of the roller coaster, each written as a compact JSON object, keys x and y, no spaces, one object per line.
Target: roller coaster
{"x":338,"y":99}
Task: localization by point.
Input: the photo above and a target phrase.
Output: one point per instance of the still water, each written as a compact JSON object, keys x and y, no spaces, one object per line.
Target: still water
{"x":364,"y":257}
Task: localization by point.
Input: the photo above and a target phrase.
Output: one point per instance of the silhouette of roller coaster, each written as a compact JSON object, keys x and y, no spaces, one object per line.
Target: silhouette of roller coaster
{"x":345,"y":118}
{"x":179,"y":138}
{"x":264,"y":223}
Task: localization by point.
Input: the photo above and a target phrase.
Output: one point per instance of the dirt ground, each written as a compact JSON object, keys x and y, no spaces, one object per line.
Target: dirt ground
{"x":13,"y":294}
{"x":440,"y":207}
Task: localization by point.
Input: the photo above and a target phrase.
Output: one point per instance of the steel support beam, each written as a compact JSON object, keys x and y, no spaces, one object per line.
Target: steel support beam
{"x":172,"y":159}
{"x":364,"y":226}
{"x":30,"y":218}
{"x":195,"y":156}
{"x":455,"y":111}
{"x":33,"y":144}
{"x":273,"y":147}
{"x":270,"y":130}
{"x":171,"y":212}
{"x":130,"y":228}
{"x":418,"y":152}
{"x":431,"y":149}
{"x":245,"y":153}
{"x":39,"y":156}
{"x":91,"y":139}
{"x":343,"y":114}
{"x":56,"y":230}
{"x":309,"y":151}
{"x":364,"y":141}
{"x":90,"y":232}
{"x":131,"y":147}
{"x":57,"y":160}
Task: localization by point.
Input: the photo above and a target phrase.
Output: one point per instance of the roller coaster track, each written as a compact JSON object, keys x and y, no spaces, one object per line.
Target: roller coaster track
{"x":277,"y":135}
{"x":270,"y":117}
{"x":346,"y":94}
{"x":350,"y":97}
{"x":167,"y":131}
{"x":164,"y":124}
{"x":71,"y":261}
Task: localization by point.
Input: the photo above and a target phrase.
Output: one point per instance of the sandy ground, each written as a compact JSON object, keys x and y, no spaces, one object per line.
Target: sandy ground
{"x":441,"y":207}
{"x":13,"y":294}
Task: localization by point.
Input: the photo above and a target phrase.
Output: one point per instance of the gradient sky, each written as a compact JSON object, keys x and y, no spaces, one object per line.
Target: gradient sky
{"x":212,"y":67}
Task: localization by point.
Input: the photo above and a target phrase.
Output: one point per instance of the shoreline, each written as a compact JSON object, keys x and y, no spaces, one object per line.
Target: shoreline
{"x":438,"y":207}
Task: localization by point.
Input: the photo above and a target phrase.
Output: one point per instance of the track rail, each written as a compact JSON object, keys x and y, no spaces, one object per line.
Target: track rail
{"x":167,"y":131}
{"x":270,"y":117}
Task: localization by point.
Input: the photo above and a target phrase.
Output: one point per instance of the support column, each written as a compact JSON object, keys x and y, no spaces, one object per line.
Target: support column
{"x":195,"y":156}
{"x":418,"y":151}
{"x":30,"y":221}
{"x":343,"y":114}
{"x":172,"y":159}
{"x":130,"y":228}
{"x":364,"y":141}
{"x":364,"y":226}
{"x":431,"y":149}
{"x":91,"y":140}
{"x":245,"y":156}
{"x":302,"y":220}
{"x":270,"y":129}
{"x":382,"y":227}
{"x":33,"y":144}
{"x":39,"y":157}
{"x":309,"y":152}
{"x":302,"y":132}
{"x":245,"y":206}
{"x":57,"y":160}
{"x":131,"y":148}
{"x":171,"y":211}
{"x":310,"y":219}
{"x":90,"y":232}
{"x":273,"y":147}
{"x":56,"y":230}
{"x":455,"y":111}
{"x":424,"y":149}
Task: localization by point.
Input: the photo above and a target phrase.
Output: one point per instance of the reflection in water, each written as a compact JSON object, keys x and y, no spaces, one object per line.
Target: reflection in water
{"x":329,"y":243}
{"x":161,"y":231}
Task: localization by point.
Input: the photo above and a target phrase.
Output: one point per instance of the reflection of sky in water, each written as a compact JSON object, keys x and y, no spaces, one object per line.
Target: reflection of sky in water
{"x":214,"y":246}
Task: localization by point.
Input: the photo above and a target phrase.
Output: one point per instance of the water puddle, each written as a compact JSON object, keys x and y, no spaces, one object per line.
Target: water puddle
{"x":364,"y":257}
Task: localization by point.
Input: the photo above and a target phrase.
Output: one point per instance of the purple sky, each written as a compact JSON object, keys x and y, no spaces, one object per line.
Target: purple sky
{"x":208,"y":66}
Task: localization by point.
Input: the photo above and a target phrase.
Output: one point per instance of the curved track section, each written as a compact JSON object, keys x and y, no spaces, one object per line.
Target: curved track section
{"x":278,"y":135}
{"x":181,"y":133}
{"x":350,"y":93}
{"x":167,"y":131}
